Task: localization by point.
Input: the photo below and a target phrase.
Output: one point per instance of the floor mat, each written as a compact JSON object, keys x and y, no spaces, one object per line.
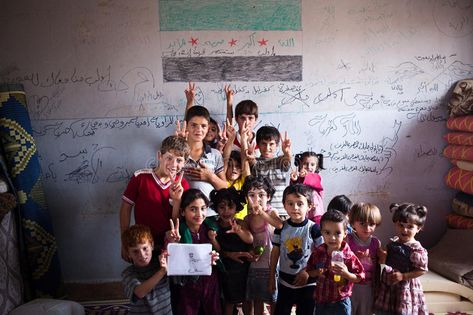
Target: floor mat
{"x":115,"y":307}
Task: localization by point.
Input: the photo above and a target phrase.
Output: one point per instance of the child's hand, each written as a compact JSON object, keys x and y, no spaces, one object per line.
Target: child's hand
{"x":286,"y":145}
{"x":181,"y":131}
{"x":321,"y":272}
{"x":212,"y":235}
{"x":256,"y":208}
{"x":176,"y":189}
{"x":163,"y":259}
{"x":230,"y":133}
{"x":395,"y":277}
{"x":229,"y":93}
{"x":340,"y":269}
{"x":303,"y":173}
{"x":190,"y":93}
{"x":294,"y":175}
{"x":236,"y":228}
{"x":301,"y":278}
{"x":215,"y":256}
{"x":201,"y":173}
{"x":173,"y":235}
{"x":238,"y":256}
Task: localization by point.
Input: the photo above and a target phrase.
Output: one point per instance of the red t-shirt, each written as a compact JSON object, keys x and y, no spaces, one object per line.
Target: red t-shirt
{"x":151,"y":201}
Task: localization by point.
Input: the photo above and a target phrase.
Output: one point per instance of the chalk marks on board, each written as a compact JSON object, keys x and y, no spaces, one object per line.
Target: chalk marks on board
{"x":229,"y":15}
{"x":453,"y":18}
{"x":238,"y":68}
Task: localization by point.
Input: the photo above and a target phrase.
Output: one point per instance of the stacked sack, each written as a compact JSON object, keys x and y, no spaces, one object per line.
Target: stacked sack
{"x":460,"y":153}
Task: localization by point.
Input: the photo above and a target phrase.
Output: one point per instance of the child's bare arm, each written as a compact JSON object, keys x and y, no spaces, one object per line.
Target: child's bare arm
{"x":145,"y":287}
{"x":273,"y":262}
{"x":190,"y":96}
{"x":273,"y":219}
{"x":125,"y":217}
{"x":240,"y":228}
{"x":227,"y":149}
{"x":229,"y":94}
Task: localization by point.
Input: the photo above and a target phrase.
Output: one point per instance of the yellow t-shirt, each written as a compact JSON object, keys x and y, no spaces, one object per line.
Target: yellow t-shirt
{"x":238,"y":184}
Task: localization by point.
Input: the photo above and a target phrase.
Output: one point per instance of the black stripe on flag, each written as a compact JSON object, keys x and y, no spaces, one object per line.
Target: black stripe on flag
{"x":241,"y":68}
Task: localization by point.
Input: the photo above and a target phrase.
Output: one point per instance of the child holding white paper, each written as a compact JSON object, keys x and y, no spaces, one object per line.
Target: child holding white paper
{"x":196,"y":292}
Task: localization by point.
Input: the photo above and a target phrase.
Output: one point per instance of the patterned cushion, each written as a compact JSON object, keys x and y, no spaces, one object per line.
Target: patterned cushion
{"x":458,"y":152}
{"x":461,"y":101}
{"x":460,"y":222}
{"x":462,"y":204}
{"x":460,"y":179}
{"x":462,"y":138}
{"x":464,"y":165}
{"x":464,"y":123}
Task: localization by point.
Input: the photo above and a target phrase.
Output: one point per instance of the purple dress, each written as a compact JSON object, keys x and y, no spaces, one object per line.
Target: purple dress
{"x":405,"y":297}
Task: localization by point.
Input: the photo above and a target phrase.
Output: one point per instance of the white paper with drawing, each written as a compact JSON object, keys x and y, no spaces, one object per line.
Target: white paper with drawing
{"x":189,"y":259}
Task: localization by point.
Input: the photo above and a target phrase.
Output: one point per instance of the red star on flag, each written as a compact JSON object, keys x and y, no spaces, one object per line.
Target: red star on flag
{"x":263,"y":42}
{"x":193,"y":41}
{"x":232,"y":42}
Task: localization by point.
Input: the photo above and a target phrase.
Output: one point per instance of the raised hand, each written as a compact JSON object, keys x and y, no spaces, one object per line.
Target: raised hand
{"x":173,"y":236}
{"x":230,"y":133}
{"x":163,"y":259}
{"x":190,"y":93}
{"x":236,"y":228}
{"x":181,"y":130}
{"x":212,"y":235}
{"x":286,"y":145}
{"x":229,"y":93}
{"x":255,"y":206}
{"x":176,"y":189}
{"x":294,"y":174}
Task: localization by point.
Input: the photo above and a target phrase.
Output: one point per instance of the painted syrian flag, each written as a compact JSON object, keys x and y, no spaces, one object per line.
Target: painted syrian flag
{"x":231,"y":40}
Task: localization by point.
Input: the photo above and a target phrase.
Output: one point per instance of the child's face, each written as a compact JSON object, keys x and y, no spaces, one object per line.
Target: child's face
{"x":249,"y":119}
{"x":268,"y":148}
{"x":309,"y":164}
{"x":170,"y":163}
{"x":197,"y":128}
{"x":364,"y":229}
{"x":333,"y":234}
{"x":194,"y":214}
{"x":226,"y":210}
{"x":296,"y":207}
{"x":406,"y":231}
{"x":211,"y":133}
{"x":233,"y":170}
{"x":258,"y":196}
{"x":141,"y":254}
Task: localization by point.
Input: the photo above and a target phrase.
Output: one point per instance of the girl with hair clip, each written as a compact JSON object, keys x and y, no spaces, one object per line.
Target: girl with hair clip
{"x":308,"y":166}
{"x":235,"y":241}
{"x":400,"y":290}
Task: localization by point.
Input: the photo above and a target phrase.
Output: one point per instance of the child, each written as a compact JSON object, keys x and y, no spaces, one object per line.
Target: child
{"x":202,"y":291}
{"x":309,"y":164}
{"x":212,"y":138}
{"x":343,"y":204}
{"x":364,"y":218}
{"x":293,"y":244}
{"x":401,"y":291}
{"x":246,"y":112}
{"x":155,"y":193}
{"x":275,"y":168}
{"x":261,"y":220}
{"x":145,"y":282}
{"x":235,"y":242}
{"x":332,"y":296}
{"x":204,"y":168}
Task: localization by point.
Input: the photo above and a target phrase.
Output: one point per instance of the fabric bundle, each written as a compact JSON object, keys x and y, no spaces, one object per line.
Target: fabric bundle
{"x":459,"y":151}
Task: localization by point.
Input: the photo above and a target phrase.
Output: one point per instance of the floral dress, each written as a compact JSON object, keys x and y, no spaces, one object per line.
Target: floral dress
{"x":405,"y":297}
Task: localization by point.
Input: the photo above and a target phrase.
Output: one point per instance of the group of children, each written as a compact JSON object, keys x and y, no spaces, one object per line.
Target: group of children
{"x":274,"y":245}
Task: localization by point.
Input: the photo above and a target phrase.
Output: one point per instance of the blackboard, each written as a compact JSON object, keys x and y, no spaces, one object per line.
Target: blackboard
{"x":363,"y":82}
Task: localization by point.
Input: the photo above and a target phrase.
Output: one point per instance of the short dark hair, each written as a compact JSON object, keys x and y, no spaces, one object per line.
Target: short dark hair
{"x":226,"y":194}
{"x":300,"y":190}
{"x":267,"y":133}
{"x":199,"y":111}
{"x":409,"y":212}
{"x":341,"y":203}
{"x":178,"y":144}
{"x":257,"y":182}
{"x":247,"y":107}
{"x":334,"y":216}
{"x":235,"y":156}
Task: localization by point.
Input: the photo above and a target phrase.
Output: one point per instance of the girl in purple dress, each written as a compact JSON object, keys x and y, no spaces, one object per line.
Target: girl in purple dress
{"x":400,"y":290}
{"x":364,"y":218}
